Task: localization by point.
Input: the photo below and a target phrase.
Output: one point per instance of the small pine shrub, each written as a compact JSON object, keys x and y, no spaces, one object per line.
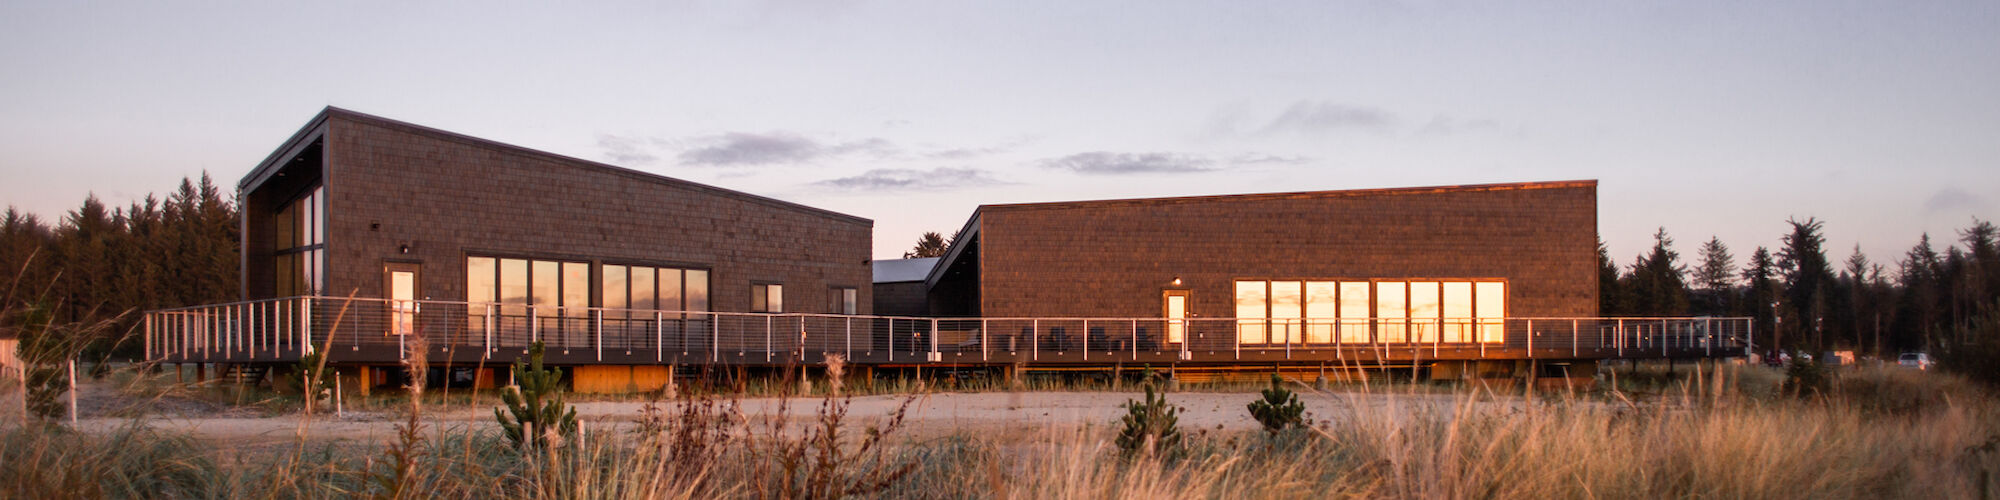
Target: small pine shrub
{"x":1807,"y":379}
{"x":1151,"y":427}
{"x":311,"y":371}
{"x":535,"y":410}
{"x":1975,"y":351}
{"x":1279,"y":408}
{"x":43,"y":353}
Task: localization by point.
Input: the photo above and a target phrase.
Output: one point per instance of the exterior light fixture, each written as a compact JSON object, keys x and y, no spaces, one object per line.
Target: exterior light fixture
{"x":405,"y":248}
{"x":1177,"y":281}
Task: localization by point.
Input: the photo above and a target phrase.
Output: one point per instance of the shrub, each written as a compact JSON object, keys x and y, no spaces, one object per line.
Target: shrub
{"x":1806,"y":378}
{"x":1279,"y":408}
{"x":535,"y":409}
{"x":1150,"y":426}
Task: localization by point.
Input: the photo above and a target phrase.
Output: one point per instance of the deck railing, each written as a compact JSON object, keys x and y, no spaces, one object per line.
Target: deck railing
{"x":284,"y":329}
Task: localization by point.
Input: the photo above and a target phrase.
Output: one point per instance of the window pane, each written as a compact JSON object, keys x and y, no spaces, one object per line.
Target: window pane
{"x":1250,"y":305}
{"x":849,"y":300}
{"x":548,"y":290}
{"x":1355,"y":309}
{"x":1492,"y":310}
{"x":642,"y":289}
{"x":759,"y":298}
{"x":777,"y":299}
{"x":479,"y":288}
{"x":1458,"y":311}
{"x":697,"y":290}
{"x":479,"y":279}
{"x":1390,"y":311}
{"x":670,"y":289}
{"x":1320,"y":311}
{"x":1176,"y":317}
{"x":576,"y":289}
{"x":1424,"y":311}
{"x":284,"y":232}
{"x":615,"y":288}
{"x":514,"y":286}
{"x":319,"y":216}
{"x":1286,"y":308}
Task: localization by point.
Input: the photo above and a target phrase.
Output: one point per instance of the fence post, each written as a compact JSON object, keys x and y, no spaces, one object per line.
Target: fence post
{"x":72,"y":390}
{"x":148,"y":338}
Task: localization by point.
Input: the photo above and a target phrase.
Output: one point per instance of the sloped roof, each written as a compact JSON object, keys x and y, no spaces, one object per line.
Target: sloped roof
{"x":903,"y":270}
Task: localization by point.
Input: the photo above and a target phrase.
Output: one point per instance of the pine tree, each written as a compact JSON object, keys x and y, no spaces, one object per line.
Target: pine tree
{"x":1807,"y":275}
{"x":1278,"y":409}
{"x":1611,"y":298}
{"x":1657,"y":281}
{"x":1715,"y":277}
{"x":930,"y":244}
{"x":535,"y":411}
{"x":1762,"y":297}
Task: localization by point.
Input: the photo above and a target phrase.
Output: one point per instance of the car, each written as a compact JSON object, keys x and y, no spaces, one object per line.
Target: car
{"x":1916,"y":360}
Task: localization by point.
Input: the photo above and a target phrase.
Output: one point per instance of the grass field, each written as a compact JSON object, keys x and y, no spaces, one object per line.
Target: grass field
{"x":1725,"y":432}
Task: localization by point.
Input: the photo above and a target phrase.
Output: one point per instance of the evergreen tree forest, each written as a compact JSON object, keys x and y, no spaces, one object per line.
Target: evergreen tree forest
{"x":99,"y":263}
{"x":1928,"y":299}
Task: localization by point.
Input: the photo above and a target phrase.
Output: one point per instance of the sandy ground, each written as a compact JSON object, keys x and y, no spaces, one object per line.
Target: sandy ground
{"x":991,"y":414}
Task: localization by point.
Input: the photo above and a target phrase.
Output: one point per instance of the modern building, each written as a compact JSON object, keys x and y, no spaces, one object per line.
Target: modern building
{"x":461,"y":251}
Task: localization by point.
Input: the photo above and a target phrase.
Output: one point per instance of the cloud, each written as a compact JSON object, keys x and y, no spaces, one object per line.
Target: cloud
{"x":1953,"y":200}
{"x":898,"y":179}
{"x":625,"y":150}
{"x":1103,"y":163}
{"x":1442,"y":125}
{"x":1317,"y":117}
{"x":1268,"y":159}
{"x":742,"y":148}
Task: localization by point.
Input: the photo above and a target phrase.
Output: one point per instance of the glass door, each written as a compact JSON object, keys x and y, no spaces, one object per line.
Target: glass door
{"x":402,"y":287}
{"x":1176,"y":314}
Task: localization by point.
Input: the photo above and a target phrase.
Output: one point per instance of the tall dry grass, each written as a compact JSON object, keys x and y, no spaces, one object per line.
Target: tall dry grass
{"x":1876,"y":433}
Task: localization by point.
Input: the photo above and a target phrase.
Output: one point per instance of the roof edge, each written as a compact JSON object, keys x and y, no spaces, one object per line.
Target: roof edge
{"x":1341,"y":193}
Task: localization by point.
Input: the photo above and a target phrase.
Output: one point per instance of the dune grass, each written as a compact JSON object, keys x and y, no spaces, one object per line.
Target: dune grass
{"x":1720,"y":433}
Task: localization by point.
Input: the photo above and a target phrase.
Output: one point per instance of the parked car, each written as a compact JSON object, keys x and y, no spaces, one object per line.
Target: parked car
{"x":1918,"y":360}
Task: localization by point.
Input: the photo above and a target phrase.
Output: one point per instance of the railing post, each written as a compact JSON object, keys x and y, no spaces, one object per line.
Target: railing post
{"x":892,"y":339}
{"x":1619,"y":337}
{"x":983,"y":356}
{"x":597,"y":330}
{"x":149,"y":337}
{"x":534,"y":324}
{"x":1086,"y":340}
{"x":1237,"y":339}
{"x":659,"y":337}
{"x":715,"y":338}
{"x":1035,"y":339}
{"x":934,"y":345}
{"x":767,"y":338}
{"x":1135,"y":340}
{"x":1574,"y":337}
{"x":1664,"y":338}
{"x":1531,"y":338}
{"x":849,"y":343}
{"x":489,"y":333}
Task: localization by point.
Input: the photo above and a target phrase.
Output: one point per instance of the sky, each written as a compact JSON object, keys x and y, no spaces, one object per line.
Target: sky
{"x":1708,"y":119}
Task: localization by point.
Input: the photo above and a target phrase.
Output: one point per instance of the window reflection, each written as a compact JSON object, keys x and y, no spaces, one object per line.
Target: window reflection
{"x":1251,"y":307}
{"x":1286,"y":310}
{"x":1491,"y":305}
{"x":1424,"y":311}
{"x":1322,"y":309}
{"x":1458,"y":311}
{"x":1391,"y":311}
{"x":1355,"y":309}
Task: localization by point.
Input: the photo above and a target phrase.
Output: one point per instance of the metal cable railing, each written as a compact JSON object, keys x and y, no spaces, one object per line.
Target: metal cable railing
{"x":284,"y":329}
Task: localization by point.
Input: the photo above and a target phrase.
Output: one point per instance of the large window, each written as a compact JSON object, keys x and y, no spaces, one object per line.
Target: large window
{"x":1283,"y":312}
{"x":645,"y":288}
{"x":299,"y":235}
{"x":557,"y":292}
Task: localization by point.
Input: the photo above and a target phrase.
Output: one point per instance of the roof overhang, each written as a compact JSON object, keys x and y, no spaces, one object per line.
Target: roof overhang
{"x":313,"y":130}
{"x":965,"y":237}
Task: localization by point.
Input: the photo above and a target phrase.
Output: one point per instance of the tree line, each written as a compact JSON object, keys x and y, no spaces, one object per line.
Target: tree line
{"x":1933,"y":299}
{"x":100,"y":263}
